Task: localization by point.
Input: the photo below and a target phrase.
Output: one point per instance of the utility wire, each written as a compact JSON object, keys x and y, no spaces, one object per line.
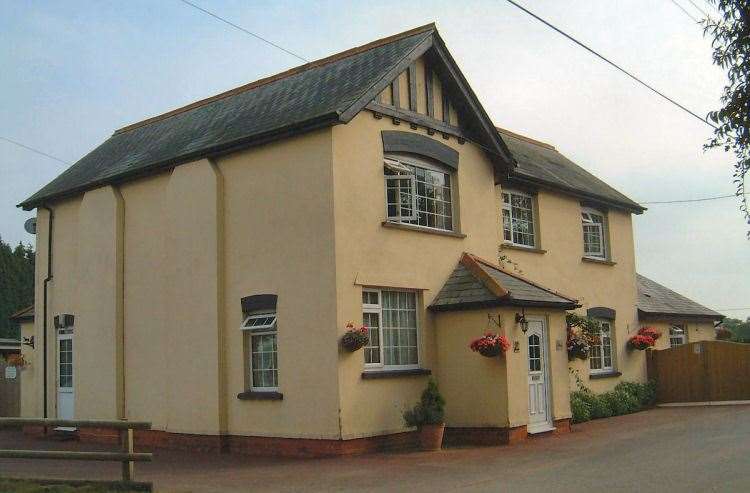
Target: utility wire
{"x":684,"y":10}
{"x":693,"y":200}
{"x":705,"y":14}
{"x":605,"y":59}
{"x":732,"y":309}
{"x":32,"y":149}
{"x":225,"y":21}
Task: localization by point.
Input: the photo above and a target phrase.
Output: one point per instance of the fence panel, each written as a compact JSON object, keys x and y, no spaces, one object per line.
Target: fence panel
{"x":701,"y":372}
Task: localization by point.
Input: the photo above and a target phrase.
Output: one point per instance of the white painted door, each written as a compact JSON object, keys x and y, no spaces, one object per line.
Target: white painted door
{"x":539,"y":395}
{"x":65,"y":390}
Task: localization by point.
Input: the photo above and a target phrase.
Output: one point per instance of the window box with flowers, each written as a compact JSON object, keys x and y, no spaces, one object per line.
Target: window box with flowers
{"x":490,"y":345}
{"x":354,"y":338}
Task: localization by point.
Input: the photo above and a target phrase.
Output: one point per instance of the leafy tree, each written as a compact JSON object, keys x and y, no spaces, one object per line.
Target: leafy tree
{"x":740,"y":330}
{"x":16,"y":284}
{"x":731,"y":45}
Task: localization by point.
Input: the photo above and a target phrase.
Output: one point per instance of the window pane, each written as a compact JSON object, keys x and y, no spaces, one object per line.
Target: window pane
{"x":399,"y":327}
{"x":518,"y":219}
{"x":264,"y":361}
{"x":433,"y":199}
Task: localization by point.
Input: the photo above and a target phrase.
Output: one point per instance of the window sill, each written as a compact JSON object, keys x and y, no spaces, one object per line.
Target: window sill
{"x":598,"y":261}
{"x":608,"y":374}
{"x":374,"y":374}
{"x":259,"y":395}
{"x":511,"y":246}
{"x":411,"y":227}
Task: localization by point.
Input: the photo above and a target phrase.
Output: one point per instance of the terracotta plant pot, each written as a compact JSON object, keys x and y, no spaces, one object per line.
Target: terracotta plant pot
{"x":431,"y":436}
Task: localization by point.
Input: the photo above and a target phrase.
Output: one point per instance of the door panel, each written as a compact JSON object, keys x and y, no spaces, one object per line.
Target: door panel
{"x":65,"y":389}
{"x":538,"y":376}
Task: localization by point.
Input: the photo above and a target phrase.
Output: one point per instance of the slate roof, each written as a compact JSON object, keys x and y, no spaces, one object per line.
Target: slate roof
{"x":655,"y":299}
{"x":476,"y":282}
{"x":542,"y":163}
{"x":27,"y":314}
{"x":309,"y":96}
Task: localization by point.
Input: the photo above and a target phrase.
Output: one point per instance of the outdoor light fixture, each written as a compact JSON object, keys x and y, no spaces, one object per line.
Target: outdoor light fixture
{"x":29,"y":341}
{"x":521,"y":320}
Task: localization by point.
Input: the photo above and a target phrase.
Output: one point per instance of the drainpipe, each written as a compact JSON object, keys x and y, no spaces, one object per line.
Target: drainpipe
{"x":46,"y":282}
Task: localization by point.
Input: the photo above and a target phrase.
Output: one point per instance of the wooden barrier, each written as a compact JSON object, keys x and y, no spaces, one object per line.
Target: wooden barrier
{"x":706,"y":371}
{"x":127,"y":457}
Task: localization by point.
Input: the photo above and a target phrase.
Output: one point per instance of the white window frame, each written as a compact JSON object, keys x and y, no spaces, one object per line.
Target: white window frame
{"x":509,"y":207}
{"x":370,"y":308}
{"x":589,"y":222}
{"x":677,"y":331}
{"x":268,"y":328}
{"x":611,"y":367}
{"x":392,"y":162}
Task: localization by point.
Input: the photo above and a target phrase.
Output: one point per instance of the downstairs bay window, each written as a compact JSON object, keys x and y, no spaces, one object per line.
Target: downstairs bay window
{"x":391,"y":319}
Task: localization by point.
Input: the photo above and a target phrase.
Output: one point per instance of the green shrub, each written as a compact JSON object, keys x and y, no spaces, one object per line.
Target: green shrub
{"x":579,"y":407}
{"x":644,"y":393}
{"x":430,"y":410}
{"x":616,"y":402}
{"x":600,"y":407}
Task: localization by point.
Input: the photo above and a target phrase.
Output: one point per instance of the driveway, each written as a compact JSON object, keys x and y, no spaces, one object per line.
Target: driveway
{"x":666,"y":449}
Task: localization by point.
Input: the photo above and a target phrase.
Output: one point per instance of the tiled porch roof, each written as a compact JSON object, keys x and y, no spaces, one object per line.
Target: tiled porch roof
{"x":475,"y":282}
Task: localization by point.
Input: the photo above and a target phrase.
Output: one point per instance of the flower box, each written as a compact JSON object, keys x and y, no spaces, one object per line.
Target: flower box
{"x":490,"y":345}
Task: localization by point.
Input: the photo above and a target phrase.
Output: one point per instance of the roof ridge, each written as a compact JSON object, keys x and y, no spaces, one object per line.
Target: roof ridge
{"x":526,"y":139}
{"x":282,"y":75}
{"x":521,"y":278}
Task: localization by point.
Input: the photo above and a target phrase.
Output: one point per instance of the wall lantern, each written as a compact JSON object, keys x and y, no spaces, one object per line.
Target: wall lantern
{"x":521,"y":320}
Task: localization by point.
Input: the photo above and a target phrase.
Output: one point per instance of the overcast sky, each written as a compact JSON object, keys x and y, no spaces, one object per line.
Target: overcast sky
{"x":72,"y":72}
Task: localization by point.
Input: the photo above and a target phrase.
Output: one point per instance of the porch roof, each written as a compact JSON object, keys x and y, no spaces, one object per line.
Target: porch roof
{"x":475,"y":282}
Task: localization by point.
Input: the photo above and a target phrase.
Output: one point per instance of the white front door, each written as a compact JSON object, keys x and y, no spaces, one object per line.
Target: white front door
{"x":65,"y":393}
{"x":540,"y":417}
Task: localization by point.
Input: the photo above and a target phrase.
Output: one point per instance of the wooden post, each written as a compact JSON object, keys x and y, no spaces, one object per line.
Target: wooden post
{"x":126,"y":439}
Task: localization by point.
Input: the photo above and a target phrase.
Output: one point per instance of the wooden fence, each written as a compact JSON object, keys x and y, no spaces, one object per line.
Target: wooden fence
{"x":126,"y":456}
{"x":10,"y":390}
{"x":706,"y":371}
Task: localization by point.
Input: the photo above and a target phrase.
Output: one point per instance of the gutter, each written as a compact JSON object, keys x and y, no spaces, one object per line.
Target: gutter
{"x":44,"y":317}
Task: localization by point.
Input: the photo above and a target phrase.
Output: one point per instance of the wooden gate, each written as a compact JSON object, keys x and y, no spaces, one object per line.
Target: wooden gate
{"x":701,"y":372}
{"x":10,"y":390}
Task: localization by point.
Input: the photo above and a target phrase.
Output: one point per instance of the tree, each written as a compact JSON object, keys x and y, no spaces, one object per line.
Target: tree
{"x":740,"y":330}
{"x":16,"y":284}
{"x":731,"y":45}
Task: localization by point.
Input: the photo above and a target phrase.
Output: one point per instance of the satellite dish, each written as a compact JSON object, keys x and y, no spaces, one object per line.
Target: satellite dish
{"x":30,"y":225}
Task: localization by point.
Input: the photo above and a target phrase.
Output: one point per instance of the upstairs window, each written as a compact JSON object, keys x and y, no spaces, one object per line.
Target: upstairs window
{"x":418,"y":193}
{"x":677,"y":336}
{"x":600,"y":357}
{"x":518,"y":219}
{"x":391,"y":320}
{"x":262,"y":369}
{"x":593,"y":234}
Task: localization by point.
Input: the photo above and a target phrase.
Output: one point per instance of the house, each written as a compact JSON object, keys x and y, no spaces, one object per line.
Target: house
{"x":680,"y":320}
{"x":199,"y":268}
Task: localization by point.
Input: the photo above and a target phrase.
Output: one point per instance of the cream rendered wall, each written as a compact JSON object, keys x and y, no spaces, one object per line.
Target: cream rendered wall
{"x":97,"y":340}
{"x":368,"y":254}
{"x":593,"y":284}
{"x":280,"y":239}
{"x":696,"y":331}
{"x":30,"y":375}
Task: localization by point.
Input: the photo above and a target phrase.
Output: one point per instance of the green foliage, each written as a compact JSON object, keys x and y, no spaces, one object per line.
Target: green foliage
{"x":579,"y":407}
{"x":600,"y":407}
{"x":644,"y":393}
{"x":430,"y":410}
{"x":16,"y":284}
{"x":731,"y":45}
{"x":740,"y":330}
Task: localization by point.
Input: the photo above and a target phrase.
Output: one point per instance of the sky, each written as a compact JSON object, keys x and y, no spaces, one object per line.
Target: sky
{"x":75,"y":71}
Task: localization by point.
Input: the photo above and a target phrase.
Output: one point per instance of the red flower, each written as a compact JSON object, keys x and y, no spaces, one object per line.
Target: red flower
{"x":641,"y":342}
{"x":489,"y":342}
{"x":650,"y":332}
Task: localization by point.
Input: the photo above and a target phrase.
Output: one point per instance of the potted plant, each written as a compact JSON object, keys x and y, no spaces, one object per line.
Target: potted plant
{"x":640,"y":342}
{"x":649,"y":332}
{"x":490,"y":345}
{"x":429,"y":416}
{"x":578,"y":346}
{"x":17,"y":360}
{"x":354,"y":339}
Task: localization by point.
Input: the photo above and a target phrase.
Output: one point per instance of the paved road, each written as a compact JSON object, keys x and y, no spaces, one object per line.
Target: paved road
{"x":675,"y":449}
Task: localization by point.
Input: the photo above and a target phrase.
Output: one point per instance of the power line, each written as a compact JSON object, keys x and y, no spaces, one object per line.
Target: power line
{"x":225,"y":21}
{"x":37,"y":151}
{"x":602,"y":57}
{"x":705,"y":14}
{"x":732,"y":309}
{"x":684,"y":10}
{"x":684,"y":201}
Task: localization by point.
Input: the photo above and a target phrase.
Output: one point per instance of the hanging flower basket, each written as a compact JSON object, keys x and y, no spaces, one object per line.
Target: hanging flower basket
{"x":490,"y":345}
{"x":17,"y":360}
{"x":354,"y":339}
{"x":649,"y":332}
{"x":641,"y":342}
